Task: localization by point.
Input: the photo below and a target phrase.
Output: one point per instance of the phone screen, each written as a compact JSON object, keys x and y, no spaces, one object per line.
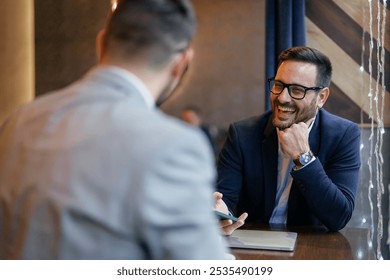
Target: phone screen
{"x":224,"y":216}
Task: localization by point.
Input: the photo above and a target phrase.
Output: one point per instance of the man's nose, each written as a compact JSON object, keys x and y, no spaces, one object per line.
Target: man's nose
{"x":284,"y":96}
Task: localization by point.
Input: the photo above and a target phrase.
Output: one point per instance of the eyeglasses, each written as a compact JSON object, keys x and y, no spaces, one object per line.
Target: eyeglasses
{"x":297,"y":92}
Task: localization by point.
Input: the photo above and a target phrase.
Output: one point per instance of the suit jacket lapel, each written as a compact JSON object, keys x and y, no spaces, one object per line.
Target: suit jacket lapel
{"x":315,"y":135}
{"x":270,"y":152}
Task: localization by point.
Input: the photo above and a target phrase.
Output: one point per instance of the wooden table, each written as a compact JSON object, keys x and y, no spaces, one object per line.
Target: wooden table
{"x":316,"y":243}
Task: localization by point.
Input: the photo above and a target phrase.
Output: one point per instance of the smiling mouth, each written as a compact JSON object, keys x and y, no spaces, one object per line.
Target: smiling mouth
{"x":286,"y":109}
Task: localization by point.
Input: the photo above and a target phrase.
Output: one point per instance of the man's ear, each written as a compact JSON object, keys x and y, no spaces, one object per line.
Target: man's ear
{"x":182,"y":61}
{"x":100,"y":48}
{"x":322,"y":97}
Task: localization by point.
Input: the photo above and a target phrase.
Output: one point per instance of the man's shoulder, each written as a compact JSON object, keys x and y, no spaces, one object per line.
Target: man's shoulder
{"x":335,"y":128}
{"x":165,"y":138}
{"x":175,"y":128}
{"x":330,"y":120}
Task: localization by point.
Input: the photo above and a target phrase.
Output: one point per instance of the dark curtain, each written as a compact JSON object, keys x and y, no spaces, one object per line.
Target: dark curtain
{"x":285,"y":28}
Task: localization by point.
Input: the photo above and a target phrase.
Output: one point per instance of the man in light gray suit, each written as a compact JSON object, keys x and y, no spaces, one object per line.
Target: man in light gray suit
{"x":95,"y":171}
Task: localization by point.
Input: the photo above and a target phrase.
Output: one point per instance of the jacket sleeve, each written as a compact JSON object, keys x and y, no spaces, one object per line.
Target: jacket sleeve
{"x":330,"y":188}
{"x":176,"y":218}
{"x":230,"y":163}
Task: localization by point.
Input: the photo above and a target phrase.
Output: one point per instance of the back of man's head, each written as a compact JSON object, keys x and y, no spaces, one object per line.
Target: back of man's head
{"x":153,"y":29}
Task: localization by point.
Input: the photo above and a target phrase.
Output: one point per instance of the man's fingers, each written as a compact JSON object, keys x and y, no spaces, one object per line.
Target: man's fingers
{"x":243,"y":216}
{"x":217,"y":195}
{"x":229,"y":228}
{"x":225,"y":223}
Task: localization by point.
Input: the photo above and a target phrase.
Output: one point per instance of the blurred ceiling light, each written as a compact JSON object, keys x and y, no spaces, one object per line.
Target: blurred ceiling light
{"x":113,"y":4}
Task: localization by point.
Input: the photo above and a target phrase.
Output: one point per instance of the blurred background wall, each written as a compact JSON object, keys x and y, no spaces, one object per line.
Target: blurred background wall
{"x":65,"y":34}
{"x":226,"y":79}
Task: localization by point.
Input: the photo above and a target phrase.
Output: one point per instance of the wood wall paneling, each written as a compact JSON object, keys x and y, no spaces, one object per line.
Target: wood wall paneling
{"x":336,"y":28}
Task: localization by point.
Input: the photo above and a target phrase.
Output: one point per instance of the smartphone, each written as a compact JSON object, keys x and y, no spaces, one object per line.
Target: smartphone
{"x":224,"y":216}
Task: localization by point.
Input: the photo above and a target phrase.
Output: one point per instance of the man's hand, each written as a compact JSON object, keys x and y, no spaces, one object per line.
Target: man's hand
{"x":295,"y":139}
{"x":227,"y":226}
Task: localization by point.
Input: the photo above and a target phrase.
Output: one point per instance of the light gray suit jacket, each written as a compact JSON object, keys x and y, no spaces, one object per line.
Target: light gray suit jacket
{"x":89,"y":172}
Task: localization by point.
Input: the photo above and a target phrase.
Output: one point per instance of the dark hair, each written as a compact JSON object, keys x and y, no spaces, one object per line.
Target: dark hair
{"x":158,"y":28}
{"x":310,"y":55}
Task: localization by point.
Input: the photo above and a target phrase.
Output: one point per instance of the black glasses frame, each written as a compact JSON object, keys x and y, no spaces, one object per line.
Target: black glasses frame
{"x":270,"y":80}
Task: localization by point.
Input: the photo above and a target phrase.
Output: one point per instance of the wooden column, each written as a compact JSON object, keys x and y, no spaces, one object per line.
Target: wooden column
{"x":16,"y":54}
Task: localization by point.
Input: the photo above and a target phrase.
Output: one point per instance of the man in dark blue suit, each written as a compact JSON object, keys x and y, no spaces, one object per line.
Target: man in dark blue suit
{"x":297,"y":164}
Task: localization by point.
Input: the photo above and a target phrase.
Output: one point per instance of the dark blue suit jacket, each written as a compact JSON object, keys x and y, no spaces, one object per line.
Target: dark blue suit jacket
{"x":322,"y":193}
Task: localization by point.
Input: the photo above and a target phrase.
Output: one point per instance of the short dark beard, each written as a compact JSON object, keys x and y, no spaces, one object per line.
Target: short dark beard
{"x":307,"y":115}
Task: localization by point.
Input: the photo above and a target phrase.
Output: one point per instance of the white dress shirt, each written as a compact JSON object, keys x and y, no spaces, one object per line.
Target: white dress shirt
{"x":284,"y":182}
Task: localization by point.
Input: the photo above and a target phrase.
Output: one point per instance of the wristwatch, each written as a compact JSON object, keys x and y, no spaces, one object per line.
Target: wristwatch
{"x":303,"y":159}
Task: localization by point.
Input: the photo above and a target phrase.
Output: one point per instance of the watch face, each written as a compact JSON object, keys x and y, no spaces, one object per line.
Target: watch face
{"x":305,"y":158}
